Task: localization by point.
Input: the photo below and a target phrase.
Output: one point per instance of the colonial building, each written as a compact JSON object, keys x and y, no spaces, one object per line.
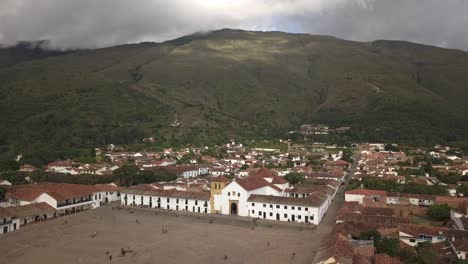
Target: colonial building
{"x":106,"y":193}
{"x":217,"y":184}
{"x":262,"y":194}
{"x":12,"y":218}
{"x":66,"y":198}
{"x":148,"y":196}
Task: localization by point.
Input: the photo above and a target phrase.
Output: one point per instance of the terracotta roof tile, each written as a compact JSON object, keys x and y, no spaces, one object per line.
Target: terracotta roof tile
{"x":58,"y":191}
{"x":27,"y":210}
{"x":386,"y":259}
{"x":312,"y":200}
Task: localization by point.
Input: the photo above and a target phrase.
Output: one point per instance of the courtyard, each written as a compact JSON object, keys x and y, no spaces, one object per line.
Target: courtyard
{"x":111,"y":234}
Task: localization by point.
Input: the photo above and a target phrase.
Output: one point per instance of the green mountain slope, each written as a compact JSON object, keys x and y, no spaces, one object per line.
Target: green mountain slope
{"x":233,"y":83}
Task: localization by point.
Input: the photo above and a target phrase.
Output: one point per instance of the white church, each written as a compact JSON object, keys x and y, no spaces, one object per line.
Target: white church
{"x":263,"y":194}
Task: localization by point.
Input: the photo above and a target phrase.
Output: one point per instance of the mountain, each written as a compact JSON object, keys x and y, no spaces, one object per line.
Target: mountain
{"x":26,"y":51}
{"x":232,"y":83}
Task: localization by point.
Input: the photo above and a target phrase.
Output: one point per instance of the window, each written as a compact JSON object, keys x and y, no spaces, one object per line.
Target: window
{"x":238,"y":194}
{"x":277,"y":206}
{"x":292,"y":208}
{"x":253,"y":211}
{"x":307,"y":209}
{"x":299,"y":217}
{"x":412,"y":240}
{"x":253,"y":204}
{"x":229,"y":193}
{"x":271,"y":214}
{"x":177,"y":200}
{"x":271,"y":206}
{"x":259,"y":213}
{"x":264,"y":205}
{"x":285,"y":207}
{"x":167,"y":200}
{"x":299,"y":208}
{"x":285,"y":215}
{"x":196,"y":202}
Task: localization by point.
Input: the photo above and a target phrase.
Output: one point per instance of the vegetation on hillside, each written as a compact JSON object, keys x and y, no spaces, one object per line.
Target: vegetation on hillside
{"x":206,"y":89}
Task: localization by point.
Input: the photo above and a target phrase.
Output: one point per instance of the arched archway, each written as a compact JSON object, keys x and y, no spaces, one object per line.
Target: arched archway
{"x":44,"y":217}
{"x":233,"y":208}
{"x":37,"y":218}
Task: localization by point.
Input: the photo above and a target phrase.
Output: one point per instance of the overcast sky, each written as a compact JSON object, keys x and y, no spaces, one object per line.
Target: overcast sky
{"x":102,"y":23}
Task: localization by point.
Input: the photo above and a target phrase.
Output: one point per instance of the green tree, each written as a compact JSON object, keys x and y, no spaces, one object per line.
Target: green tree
{"x":8,"y":164}
{"x":126,"y":174}
{"x":388,"y":246}
{"x":439,"y":212}
{"x":390,"y":147}
{"x":427,"y":254}
{"x":463,"y":190}
{"x":244,"y":167}
{"x":295,"y":177}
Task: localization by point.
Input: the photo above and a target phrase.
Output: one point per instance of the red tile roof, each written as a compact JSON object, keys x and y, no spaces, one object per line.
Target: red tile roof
{"x":386,"y":259}
{"x":416,"y":230}
{"x":26,"y":210}
{"x":58,"y":191}
{"x":107,"y":188}
{"x":266,"y":173}
{"x":253,"y":182}
{"x":366,"y":192}
{"x":314,"y":200}
{"x":218,"y":179}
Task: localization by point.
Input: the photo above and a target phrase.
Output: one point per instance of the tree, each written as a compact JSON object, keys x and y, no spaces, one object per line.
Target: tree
{"x":8,"y":164}
{"x":463,"y":190}
{"x":126,"y":174}
{"x":390,"y":147}
{"x":244,"y":167}
{"x":439,"y":212}
{"x":427,"y":254}
{"x":294,"y":177}
{"x":348,"y":155}
{"x":388,"y":246}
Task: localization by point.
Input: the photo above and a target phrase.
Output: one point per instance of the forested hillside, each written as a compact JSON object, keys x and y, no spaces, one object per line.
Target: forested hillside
{"x":231,"y":83}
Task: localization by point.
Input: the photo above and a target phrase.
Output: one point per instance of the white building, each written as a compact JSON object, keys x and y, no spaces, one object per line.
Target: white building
{"x":66,"y":198}
{"x":148,"y":196}
{"x":106,"y":193}
{"x":412,"y":235}
{"x":263,"y":194}
{"x":4,"y":182}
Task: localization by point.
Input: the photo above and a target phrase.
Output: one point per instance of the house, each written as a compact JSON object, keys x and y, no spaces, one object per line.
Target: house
{"x":106,"y":193}
{"x":148,"y":196}
{"x":12,"y":218}
{"x":64,"y":197}
{"x":458,"y":241}
{"x":302,"y":210}
{"x":187,"y":171}
{"x":159,"y":163}
{"x":61,"y":166}
{"x":27,"y":168}
{"x":4,"y":182}
{"x":421,"y":199}
{"x":358,"y":195}
{"x":413,"y":235}
{"x":7,"y":222}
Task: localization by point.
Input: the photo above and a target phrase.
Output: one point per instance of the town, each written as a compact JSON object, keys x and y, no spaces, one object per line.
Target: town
{"x":386,"y":203}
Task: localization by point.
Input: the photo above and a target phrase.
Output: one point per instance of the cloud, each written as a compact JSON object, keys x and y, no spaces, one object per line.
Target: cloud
{"x":101,"y":23}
